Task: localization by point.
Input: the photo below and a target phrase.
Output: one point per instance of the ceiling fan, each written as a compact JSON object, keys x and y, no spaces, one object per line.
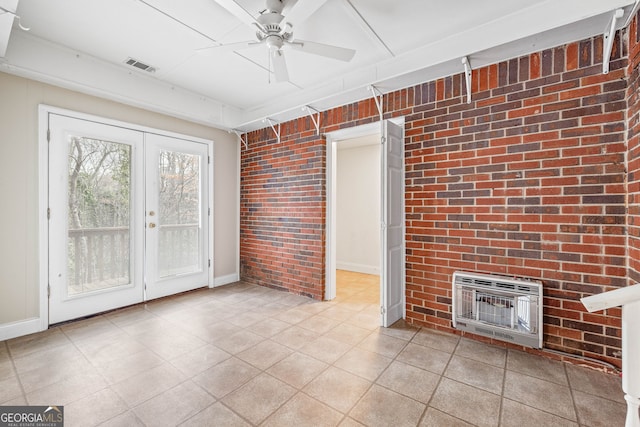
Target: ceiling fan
{"x":276,"y":32}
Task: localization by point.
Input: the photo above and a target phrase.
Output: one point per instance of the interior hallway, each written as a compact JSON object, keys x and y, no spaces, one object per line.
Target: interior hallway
{"x":243,"y":355}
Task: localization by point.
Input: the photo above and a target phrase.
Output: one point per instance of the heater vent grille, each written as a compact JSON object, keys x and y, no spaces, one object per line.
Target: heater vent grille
{"x":498,"y":307}
{"x":140,"y":65}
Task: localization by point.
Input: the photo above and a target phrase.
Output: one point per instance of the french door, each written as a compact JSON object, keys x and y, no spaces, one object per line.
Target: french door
{"x":128,"y":216}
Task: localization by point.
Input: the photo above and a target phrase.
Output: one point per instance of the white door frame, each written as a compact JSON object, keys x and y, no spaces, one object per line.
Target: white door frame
{"x":43,"y":193}
{"x":332,"y":140}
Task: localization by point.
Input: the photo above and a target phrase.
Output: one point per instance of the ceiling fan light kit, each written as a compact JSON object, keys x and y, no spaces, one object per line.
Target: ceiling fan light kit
{"x":276,"y":32}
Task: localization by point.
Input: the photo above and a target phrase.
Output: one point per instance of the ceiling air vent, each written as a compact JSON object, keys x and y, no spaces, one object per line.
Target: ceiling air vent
{"x":140,"y":65}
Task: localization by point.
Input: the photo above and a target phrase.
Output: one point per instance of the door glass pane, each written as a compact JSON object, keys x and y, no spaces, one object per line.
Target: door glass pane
{"x":99,"y":215}
{"x":179,"y":216}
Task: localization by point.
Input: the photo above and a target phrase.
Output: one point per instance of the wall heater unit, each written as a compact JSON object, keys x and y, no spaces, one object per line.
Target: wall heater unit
{"x":498,"y":307}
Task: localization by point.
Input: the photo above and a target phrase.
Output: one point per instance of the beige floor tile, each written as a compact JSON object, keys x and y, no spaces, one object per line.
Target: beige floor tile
{"x":294,"y":337}
{"x":137,"y":389}
{"x":101,"y":366}
{"x":37,"y":370}
{"x":435,"y":418}
{"x":99,"y":326}
{"x":373,"y":409}
{"x":4,"y":351}
{"x":350,"y":422}
{"x":353,"y":304}
{"x":516,"y":414}
{"x":337,"y":388}
{"x":536,"y":366}
{"x":129,"y":315}
{"x":349,"y":334}
{"x":174,"y":344}
{"x":51,"y":338}
{"x":314,"y":307}
{"x":199,"y":360}
{"x":238,"y":342}
{"x":127,"y":419}
{"x":245,"y":320}
{"x":68,"y":390}
{"x":325,"y":349}
{"x":125,"y":367}
{"x":265,"y":354}
{"x":17,"y":401}
{"x":226,"y":376}
{"x":174,"y":405}
{"x":424,"y":358}
{"x":58,"y":372}
{"x":99,"y":351}
{"x":151,"y":326}
{"x":216,"y":415}
{"x":269,"y":327}
{"x":6,"y":369}
{"x":594,"y":382}
{"x":595,"y":411}
{"x":50,"y":358}
{"x":363,"y":363}
{"x":259,"y":398}
{"x":293,"y":316}
{"x":297,"y":369}
{"x":467,"y":403}
{"x":540,"y":394}
{"x":410,"y":381}
{"x":437,"y":340}
{"x":94,"y":409}
{"x":291,"y":300}
{"x":319,"y":324}
{"x":216,"y":331}
{"x":9,"y":389}
{"x":482,"y":352}
{"x":383,"y":344}
{"x":400,"y":329}
{"x":336,"y":312}
{"x":476,"y":374}
{"x":367,"y":319}
{"x":304,"y":411}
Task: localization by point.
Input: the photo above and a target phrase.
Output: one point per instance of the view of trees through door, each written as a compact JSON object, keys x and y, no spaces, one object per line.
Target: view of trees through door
{"x":179,"y":196}
{"x":129,"y":216}
{"x":99,"y":214}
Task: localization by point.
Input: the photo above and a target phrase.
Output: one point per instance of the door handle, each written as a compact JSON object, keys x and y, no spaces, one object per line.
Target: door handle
{"x":152,"y":225}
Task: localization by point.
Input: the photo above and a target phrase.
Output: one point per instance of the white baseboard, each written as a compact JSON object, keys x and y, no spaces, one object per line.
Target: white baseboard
{"x":18,"y":329}
{"x":358,"y":268}
{"x":225,"y":280}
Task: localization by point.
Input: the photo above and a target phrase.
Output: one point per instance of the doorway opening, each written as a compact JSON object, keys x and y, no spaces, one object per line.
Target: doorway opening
{"x":358,"y":219}
{"x":390,"y":209}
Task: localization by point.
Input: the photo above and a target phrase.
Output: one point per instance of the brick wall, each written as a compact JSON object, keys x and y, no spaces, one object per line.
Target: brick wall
{"x":633,"y":141}
{"x":529,"y":180}
{"x":282,"y":189}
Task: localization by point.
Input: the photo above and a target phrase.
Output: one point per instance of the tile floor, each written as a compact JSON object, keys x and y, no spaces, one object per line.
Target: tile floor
{"x":244,"y":355}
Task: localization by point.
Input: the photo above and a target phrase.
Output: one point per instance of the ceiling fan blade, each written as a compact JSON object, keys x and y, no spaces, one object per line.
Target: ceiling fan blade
{"x":210,"y":50}
{"x":239,"y":12}
{"x":279,"y":65}
{"x":334,"y":52}
{"x":301,"y":11}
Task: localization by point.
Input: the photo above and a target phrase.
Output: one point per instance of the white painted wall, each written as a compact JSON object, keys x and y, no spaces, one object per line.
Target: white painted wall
{"x":19,"y":263}
{"x":358,"y":205}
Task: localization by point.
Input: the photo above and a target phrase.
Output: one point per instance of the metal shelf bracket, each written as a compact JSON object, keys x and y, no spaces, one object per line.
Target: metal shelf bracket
{"x":272,"y":123}
{"x":316,"y":122}
{"x":467,"y":76}
{"x":239,"y":135}
{"x":377,"y":96}
{"x":609,"y":37}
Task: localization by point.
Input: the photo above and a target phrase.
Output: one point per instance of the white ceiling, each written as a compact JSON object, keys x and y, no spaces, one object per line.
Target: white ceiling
{"x":82,"y":45}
